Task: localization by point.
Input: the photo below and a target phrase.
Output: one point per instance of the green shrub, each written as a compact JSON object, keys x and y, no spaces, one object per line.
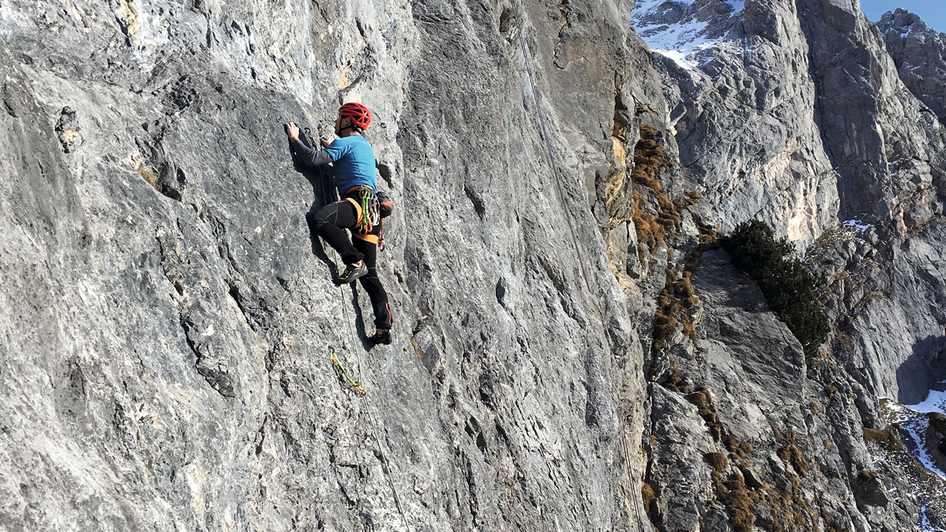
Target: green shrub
{"x":788,"y":287}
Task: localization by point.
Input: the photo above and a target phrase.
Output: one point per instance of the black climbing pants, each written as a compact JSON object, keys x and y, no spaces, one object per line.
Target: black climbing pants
{"x":330,"y":223}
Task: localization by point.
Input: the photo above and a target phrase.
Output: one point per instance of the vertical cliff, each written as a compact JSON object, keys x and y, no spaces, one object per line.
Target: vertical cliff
{"x":572,"y":350}
{"x":793,"y":113}
{"x":167,"y":319}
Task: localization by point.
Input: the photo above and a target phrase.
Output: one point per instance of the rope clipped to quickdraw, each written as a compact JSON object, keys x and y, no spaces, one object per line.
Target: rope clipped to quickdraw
{"x":356,"y":385}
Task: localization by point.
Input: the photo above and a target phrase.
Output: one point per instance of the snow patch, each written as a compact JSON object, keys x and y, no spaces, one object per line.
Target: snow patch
{"x":857,"y":224}
{"x":681,"y":41}
{"x":935,"y":402}
{"x":925,"y":524}
{"x":916,"y":425}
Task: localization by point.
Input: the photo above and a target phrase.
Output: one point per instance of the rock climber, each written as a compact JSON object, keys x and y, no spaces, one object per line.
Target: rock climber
{"x":354,"y":169}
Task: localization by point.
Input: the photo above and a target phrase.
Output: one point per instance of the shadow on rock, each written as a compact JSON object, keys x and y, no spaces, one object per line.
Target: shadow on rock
{"x":322,"y":194}
{"x":925,"y":368}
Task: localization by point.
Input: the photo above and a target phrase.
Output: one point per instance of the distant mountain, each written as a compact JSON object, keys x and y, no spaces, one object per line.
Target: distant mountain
{"x":920,"y":55}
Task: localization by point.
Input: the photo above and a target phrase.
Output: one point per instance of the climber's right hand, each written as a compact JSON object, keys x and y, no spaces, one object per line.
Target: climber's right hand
{"x":292,"y":131}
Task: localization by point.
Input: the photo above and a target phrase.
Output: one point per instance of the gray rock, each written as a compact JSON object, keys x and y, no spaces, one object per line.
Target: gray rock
{"x":920,"y":55}
{"x":168,"y":322}
{"x":863,"y":149}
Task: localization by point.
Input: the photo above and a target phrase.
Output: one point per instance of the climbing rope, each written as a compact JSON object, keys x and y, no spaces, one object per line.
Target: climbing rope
{"x":638,"y":505}
{"x":356,"y":384}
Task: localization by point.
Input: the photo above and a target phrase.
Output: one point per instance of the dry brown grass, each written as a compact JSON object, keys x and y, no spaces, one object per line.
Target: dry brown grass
{"x":649,"y":161}
{"x":665,"y":319}
{"x":673,"y":306}
{"x":709,"y":239}
{"x":793,"y":455}
{"x":649,"y":232}
{"x":148,"y":175}
{"x":739,"y":451}
{"x":679,"y":296}
{"x":717,"y":461}
{"x":703,"y":401}
{"x":668,"y":215}
{"x":787,"y":510}
{"x":886,"y":436}
{"x":675,"y":379}
{"x":739,"y":504}
{"x":692,"y":198}
{"x":844,"y":340}
{"x":649,"y":497}
{"x":700,"y":398}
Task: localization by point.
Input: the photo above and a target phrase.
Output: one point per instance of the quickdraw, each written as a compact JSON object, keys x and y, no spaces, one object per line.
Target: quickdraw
{"x":385,"y":463}
{"x":370,"y":209}
{"x":344,"y":373}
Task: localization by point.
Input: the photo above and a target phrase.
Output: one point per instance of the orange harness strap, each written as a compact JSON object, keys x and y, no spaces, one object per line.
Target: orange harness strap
{"x":373,"y":239}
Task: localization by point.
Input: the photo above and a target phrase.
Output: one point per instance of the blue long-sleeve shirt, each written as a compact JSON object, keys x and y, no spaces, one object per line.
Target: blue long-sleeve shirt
{"x":352,"y":158}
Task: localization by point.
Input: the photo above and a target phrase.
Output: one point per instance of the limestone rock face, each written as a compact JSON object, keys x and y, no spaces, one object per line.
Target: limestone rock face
{"x":167,"y":321}
{"x":735,"y":115}
{"x":572,"y":350}
{"x":920,"y":55}
{"x":794,"y":113}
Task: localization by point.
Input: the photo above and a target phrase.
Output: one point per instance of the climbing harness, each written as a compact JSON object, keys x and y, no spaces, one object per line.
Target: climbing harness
{"x":370,"y":208}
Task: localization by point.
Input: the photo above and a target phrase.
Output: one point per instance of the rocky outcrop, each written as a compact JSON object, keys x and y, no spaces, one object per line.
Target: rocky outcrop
{"x":795,"y":113}
{"x":920,"y":55}
{"x":770,"y":457}
{"x":167,"y":320}
{"x":571,"y":349}
{"x":734,"y":113}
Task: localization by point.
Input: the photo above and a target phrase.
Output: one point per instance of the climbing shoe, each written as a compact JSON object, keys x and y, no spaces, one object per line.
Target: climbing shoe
{"x":381,"y":336}
{"x":351,"y":273}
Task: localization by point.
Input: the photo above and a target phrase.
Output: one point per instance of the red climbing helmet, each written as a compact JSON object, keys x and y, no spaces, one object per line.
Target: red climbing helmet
{"x":359,"y":114}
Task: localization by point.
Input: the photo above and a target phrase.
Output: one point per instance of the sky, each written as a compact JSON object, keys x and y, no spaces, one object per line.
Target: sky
{"x":933,"y":12}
